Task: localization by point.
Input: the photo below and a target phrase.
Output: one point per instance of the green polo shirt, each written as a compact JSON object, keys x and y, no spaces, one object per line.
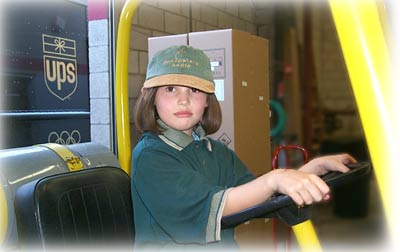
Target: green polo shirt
{"x":179,"y":189}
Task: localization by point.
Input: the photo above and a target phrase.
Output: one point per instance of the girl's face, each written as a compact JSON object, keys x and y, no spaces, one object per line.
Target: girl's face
{"x":181,"y":108}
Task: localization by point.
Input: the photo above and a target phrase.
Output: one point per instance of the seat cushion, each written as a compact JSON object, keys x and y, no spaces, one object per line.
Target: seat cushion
{"x":91,"y":207}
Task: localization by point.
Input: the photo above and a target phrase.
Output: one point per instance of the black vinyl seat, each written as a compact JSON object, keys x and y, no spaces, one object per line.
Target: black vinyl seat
{"x":91,"y":208}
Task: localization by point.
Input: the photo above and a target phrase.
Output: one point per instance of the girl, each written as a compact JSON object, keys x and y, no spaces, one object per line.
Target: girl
{"x":183,"y":182}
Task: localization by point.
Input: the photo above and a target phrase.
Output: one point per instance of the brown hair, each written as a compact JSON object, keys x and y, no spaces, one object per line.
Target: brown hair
{"x":145,"y":113}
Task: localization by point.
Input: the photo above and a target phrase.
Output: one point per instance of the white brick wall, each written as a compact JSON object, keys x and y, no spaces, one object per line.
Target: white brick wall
{"x":157,"y":18}
{"x":334,"y":87}
{"x":100,"y":111}
{"x":99,"y":59}
{"x":176,"y":24}
{"x":209,"y":15}
{"x":139,"y":39}
{"x":225,"y":20}
{"x":100,"y":85}
{"x":166,"y":17}
{"x":98,"y":33}
{"x":151,"y":17}
{"x":99,"y":80}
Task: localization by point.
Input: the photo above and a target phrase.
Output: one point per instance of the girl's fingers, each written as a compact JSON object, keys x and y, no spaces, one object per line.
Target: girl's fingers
{"x":306,"y":196}
{"x":320,"y":190}
{"x":303,"y":188}
{"x":324,"y":164}
{"x":316,"y":189}
{"x":312,"y":189}
{"x":346,"y":158}
{"x":297,"y":198}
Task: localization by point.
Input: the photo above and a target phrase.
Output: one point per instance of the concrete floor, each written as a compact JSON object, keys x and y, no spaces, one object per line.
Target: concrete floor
{"x":336,"y":230}
{"x":354,"y":233}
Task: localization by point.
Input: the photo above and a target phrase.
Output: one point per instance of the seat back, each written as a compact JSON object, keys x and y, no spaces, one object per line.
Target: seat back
{"x":88,"y":208}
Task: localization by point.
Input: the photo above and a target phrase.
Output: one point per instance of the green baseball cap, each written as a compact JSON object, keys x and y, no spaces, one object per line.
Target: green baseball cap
{"x":180,"y":65}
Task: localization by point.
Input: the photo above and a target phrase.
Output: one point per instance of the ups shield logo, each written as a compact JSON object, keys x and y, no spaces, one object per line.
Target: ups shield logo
{"x":60,"y":68}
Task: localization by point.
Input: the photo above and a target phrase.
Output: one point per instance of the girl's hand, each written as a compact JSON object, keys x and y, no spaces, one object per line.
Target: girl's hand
{"x":322,"y":165}
{"x":304,"y":185}
{"x":304,"y":188}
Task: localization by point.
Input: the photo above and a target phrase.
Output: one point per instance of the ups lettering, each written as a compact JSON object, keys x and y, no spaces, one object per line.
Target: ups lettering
{"x":60,"y":72}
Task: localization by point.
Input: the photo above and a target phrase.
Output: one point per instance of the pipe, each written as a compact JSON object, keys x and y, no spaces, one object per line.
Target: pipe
{"x":306,"y":236}
{"x":3,"y":215}
{"x":367,"y":58}
{"x":121,"y":85}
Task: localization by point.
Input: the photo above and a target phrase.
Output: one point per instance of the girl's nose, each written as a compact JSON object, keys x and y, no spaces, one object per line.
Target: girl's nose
{"x":183,"y":97}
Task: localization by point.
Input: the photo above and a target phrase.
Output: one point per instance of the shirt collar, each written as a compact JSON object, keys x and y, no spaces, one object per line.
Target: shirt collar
{"x":178,"y":139}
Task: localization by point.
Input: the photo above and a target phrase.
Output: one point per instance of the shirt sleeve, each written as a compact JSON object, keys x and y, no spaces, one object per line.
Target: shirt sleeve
{"x":235,"y":169}
{"x":178,"y":198}
{"x":213,"y":232}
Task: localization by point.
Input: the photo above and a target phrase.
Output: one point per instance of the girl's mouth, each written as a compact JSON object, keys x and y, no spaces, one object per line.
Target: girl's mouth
{"x":183,"y":114}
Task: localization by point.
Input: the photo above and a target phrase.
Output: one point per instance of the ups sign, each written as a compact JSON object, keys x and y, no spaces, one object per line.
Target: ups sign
{"x":60,"y":69}
{"x":44,"y":87}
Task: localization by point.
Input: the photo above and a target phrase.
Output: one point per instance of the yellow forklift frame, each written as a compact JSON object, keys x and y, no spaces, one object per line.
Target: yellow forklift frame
{"x":361,"y":35}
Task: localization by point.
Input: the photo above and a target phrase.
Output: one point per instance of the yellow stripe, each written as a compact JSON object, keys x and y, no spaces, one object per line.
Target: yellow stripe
{"x":368,"y":63}
{"x":306,"y":236}
{"x":3,"y":215}
{"x":121,"y":85}
{"x":73,"y":162}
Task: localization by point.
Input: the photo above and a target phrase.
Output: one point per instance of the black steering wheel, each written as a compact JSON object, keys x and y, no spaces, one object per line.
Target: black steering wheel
{"x":283,"y":207}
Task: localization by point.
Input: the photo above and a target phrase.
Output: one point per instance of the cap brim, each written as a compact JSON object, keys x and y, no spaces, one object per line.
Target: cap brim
{"x":180,"y":80}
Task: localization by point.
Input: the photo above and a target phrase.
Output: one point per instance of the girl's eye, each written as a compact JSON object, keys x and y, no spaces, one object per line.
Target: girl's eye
{"x":195,"y":90}
{"x":170,"y":89}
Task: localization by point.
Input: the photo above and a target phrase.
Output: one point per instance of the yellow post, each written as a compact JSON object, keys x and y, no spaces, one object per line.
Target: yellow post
{"x":3,"y":216}
{"x":369,"y":65}
{"x":306,"y":237}
{"x":121,"y":85}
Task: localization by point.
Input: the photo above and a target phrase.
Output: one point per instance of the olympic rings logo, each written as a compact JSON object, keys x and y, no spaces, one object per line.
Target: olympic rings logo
{"x":64,"y":138}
